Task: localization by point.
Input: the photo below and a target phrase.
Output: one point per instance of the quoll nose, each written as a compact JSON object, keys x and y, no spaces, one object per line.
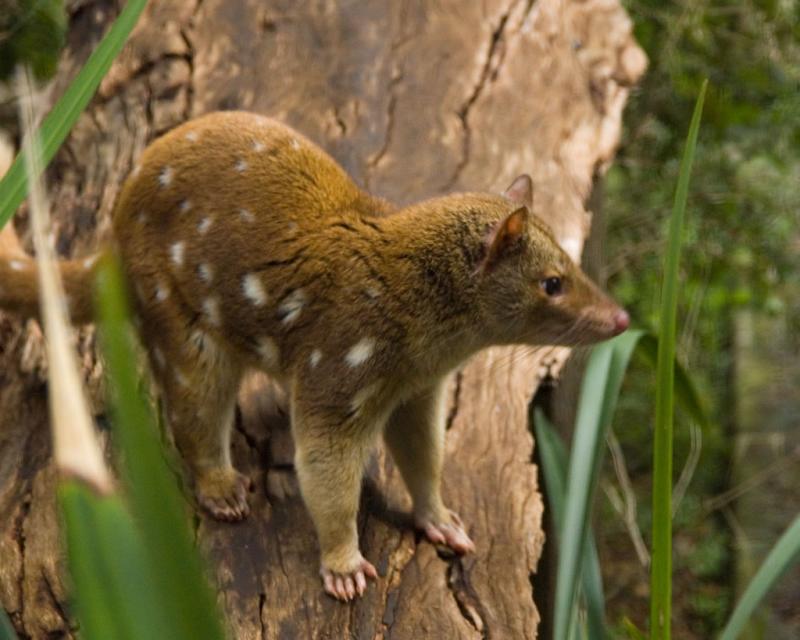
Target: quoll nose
{"x":621,"y":321}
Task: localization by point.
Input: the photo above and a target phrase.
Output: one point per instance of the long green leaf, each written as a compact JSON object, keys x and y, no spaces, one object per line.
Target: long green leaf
{"x":599,"y":393}
{"x":6,"y":630}
{"x":155,"y":499}
{"x":661,"y":572}
{"x":592,"y":585}
{"x":553,"y":457}
{"x":783,"y":555}
{"x":112,"y":575}
{"x":61,"y":119}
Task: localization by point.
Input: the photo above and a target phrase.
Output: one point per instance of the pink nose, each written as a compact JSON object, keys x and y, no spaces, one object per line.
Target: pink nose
{"x":621,"y":321}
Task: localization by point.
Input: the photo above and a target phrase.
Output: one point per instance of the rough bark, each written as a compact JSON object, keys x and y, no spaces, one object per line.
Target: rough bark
{"x":414,"y":99}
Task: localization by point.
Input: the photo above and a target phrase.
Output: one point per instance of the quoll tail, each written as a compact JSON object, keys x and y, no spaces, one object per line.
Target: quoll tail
{"x":19,"y":282}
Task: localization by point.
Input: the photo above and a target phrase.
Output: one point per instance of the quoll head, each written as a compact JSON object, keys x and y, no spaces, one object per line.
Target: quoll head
{"x":533,"y":291}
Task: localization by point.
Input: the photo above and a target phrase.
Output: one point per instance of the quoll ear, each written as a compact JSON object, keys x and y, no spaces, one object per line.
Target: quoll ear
{"x":521,"y":191}
{"x":505,"y":236}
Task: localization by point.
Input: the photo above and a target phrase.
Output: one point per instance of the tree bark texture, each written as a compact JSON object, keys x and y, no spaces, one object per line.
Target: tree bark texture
{"x":415,"y":98}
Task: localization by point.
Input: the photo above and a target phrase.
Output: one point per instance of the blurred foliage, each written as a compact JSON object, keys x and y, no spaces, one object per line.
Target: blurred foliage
{"x":740,"y":249}
{"x":742,"y":234}
{"x":32,"y":32}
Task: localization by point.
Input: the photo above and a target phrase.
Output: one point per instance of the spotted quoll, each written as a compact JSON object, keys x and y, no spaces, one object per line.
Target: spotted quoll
{"x":247,"y":246}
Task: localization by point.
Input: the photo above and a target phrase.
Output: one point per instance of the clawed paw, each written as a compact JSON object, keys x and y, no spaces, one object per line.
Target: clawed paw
{"x":448,"y":532}
{"x":345,"y":586}
{"x":223,"y":493}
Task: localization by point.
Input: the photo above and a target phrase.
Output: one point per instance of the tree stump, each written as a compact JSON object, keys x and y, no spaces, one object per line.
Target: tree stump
{"x":415,"y":99}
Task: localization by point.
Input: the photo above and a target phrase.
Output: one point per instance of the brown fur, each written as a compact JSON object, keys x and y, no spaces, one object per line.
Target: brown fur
{"x":247,"y":246}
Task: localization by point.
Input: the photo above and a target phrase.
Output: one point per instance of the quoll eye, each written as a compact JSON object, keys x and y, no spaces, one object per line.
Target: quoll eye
{"x":552,"y":285}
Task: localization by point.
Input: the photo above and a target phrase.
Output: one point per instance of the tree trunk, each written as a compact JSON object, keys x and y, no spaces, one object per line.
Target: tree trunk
{"x":414,"y":99}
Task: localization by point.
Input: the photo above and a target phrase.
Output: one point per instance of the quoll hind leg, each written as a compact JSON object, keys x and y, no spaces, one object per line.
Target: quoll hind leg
{"x":330,"y":459}
{"x":200,"y":381}
{"x":415,"y":435}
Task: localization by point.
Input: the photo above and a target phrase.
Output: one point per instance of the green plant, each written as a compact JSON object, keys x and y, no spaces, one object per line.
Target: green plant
{"x":570,"y":485}
{"x":32,"y":33}
{"x":598,"y":398}
{"x":555,"y":468}
{"x":783,"y":555}
{"x":6,"y":630}
{"x":571,"y":499}
{"x":661,"y":567}
{"x":177,"y":578}
{"x":64,"y":114}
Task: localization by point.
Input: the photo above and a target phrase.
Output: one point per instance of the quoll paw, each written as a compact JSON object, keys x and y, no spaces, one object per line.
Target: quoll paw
{"x":447,"y":531}
{"x":223,"y":493}
{"x":345,"y":586}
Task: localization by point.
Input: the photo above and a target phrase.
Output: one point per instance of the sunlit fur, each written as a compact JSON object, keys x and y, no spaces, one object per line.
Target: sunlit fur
{"x":246,"y":246}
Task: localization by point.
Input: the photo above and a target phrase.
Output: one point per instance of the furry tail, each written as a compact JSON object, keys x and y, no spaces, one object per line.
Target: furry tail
{"x":19,"y":281}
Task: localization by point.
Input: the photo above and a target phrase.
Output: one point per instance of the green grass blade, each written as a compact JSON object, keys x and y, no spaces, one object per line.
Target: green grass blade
{"x":6,"y":629}
{"x":599,"y":393}
{"x":783,"y":555}
{"x":661,"y":571}
{"x":112,"y":577}
{"x":553,"y":457}
{"x":592,"y":585}
{"x":61,"y":119}
{"x":686,"y":392}
{"x":154,"y":496}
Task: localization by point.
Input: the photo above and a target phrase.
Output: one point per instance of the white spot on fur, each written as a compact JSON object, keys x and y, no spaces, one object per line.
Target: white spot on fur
{"x":315,"y":357}
{"x":89,"y":262}
{"x":191,"y":136}
{"x":246,"y":215}
{"x":205,"y":224}
{"x":258,"y":146}
{"x":572,"y":246}
{"x":211,"y":309}
{"x":200,"y":339}
{"x":360,"y":352}
{"x":17,"y":265}
{"x":185,"y":205}
{"x":241,"y":165}
{"x":254,"y":290}
{"x":373,"y":292}
{"x":165,"y":177}
{"x":176,"y":251}
{"x":206,"y":272}
{"x":295,"y":144}
{"x":142,"y":218}
{"x":203,"y":347}
{"x":292,"y":305}
{"x":268,"y":350}
{"x":158,"y":356}
{"x":162,"y":293}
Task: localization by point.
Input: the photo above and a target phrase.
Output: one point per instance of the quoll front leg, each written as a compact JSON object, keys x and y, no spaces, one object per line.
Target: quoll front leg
{"x":331,"y":453}
{"x":415,"y":436}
